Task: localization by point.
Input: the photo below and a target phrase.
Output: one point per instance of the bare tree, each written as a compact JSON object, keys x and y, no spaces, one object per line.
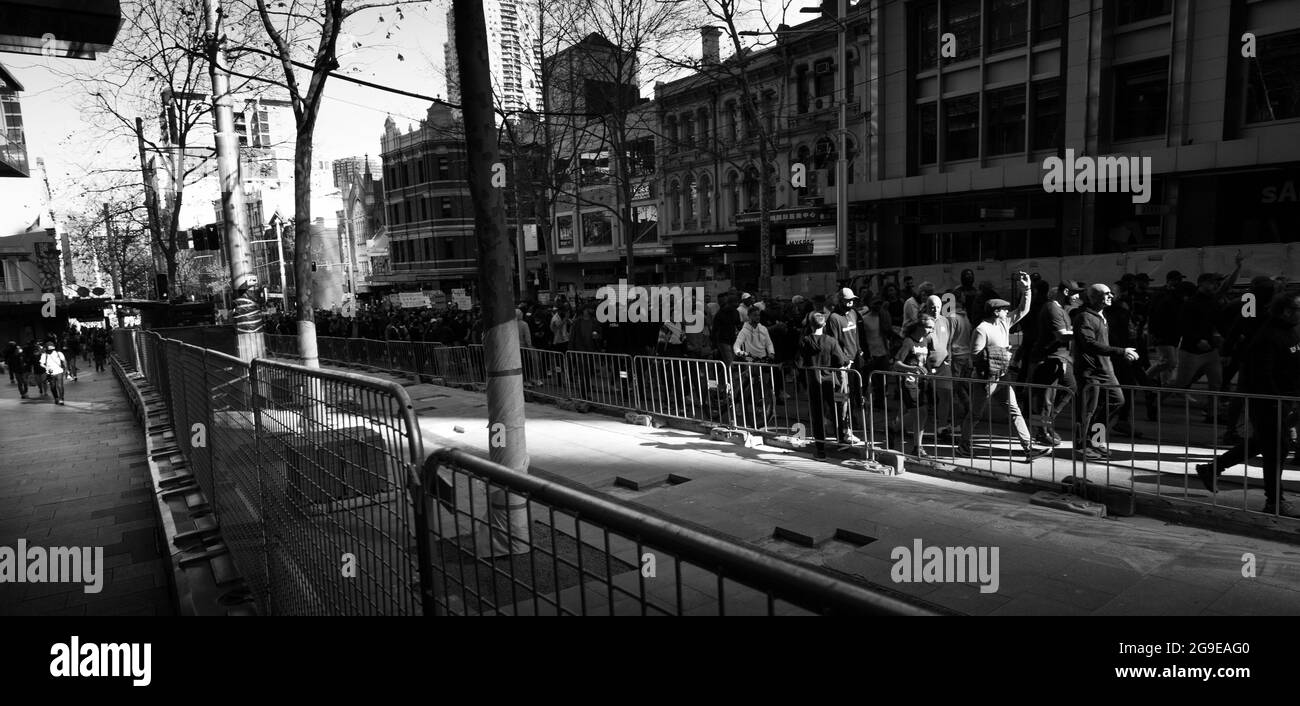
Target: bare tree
{"x":151,"y":89}
{"x":614,"y":49}
{"x":759,"y":82}
{"x":307,"y":30}
{"x":115,"y":235}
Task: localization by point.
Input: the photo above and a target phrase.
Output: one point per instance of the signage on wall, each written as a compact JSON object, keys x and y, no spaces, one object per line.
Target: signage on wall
{"x":808,"y":242}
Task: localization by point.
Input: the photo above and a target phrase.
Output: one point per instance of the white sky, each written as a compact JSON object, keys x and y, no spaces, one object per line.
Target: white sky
{"x":351,"y":118}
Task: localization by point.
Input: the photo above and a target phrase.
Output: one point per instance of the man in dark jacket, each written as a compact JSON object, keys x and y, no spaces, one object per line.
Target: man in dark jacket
{"x":1270,"y":367}
{"x":818,"y":348}
{"x":1096,"y":372}
{"x":846,"y":326}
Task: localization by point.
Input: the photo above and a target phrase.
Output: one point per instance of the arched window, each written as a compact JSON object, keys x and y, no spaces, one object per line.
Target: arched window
{"x":689,"y":194}
{"x":688,"y":131}
{"x":706,"y":201}
{"x":824,"y":156}
{"x":751,"y":189}
{"x":733,"y":196}
{"x":674,"y":204}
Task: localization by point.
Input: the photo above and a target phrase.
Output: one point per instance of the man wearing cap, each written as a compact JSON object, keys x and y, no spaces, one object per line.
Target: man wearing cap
{"x":846,"y":326}
{"x":1096,"y":372}
{"x":991,"y":351}
{"x":1055,"y":365}
{"x":56,"y":367}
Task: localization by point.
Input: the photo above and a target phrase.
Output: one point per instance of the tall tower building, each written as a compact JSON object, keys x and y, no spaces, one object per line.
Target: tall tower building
{"x":512,"y":54}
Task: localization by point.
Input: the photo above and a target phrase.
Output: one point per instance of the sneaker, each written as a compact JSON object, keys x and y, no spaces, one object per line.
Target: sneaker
{"x":1044,"y":437}
{"x":1287,"y":509}
{"x":851,"y":439}
{"x":1205,"y":471}
{"x":966,"y":451}
{"x":1032,"y":453}
{"x":919,"y":452}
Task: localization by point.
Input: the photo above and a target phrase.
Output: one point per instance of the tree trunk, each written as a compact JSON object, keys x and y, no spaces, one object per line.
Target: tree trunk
{"x":307,"y":348}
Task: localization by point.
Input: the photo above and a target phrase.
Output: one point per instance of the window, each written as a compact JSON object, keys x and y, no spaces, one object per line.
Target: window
{"x":690,"y":194}
{"x":1006,"y":121}
{"x":597,"y":229}
{"x":670,"y":127}
{"x":446,"y":207}
{"x":1049,"y":118}
{"x":733,"y":196}
{"x":1048,"y":16}
{"x":824,"y":78}
{"x":702,"y":119}
{"x":769,"y":112}
{"x":420,"y":166}
{"x":1007,"y":22}
{"x":675,"y":204}
{"x":409,"y":212}
{"x":927,"y":133}
{"x":925,"y":35}
{"x":1137,"y":10}
{"x":824,"y":157}
{"x":962,"y":18}
{"x":647,"y":223}
{"x":564,"y":231}
{"x":801,"y":88}
{"x":1272,"y":86}
{"x":444,"y":171}
{"x":1141,"y":94}
{"x":706,"y":201}
{"x":751,"y":189}
{"x":733,"y":121}
{"x":961,"y":128}
{"x":688,"y":131}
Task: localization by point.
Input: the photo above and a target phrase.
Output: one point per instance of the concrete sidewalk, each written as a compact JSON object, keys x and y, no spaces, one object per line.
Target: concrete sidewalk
{"x":1051,"y":562}
{"x":76,"y":476}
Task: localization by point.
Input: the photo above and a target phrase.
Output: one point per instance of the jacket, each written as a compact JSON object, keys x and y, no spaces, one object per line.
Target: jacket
{"x":1092,"y":349}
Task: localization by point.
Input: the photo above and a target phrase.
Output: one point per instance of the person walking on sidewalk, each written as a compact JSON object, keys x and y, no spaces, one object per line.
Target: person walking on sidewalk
{"x":1096,"y":372}
{"x":56,"y":367}
{"x":99,"y":349}
{"x":1055,"y":366}
{"x":12,"y":359}
{"x":991,"y":351}
{"x":1270,"y":366}
{"x":32,"y":363}
{"x":20,"y":369}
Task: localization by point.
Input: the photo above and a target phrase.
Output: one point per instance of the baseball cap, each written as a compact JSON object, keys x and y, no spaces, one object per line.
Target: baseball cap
{"x":846,"y":294}
{"x":1071,"y":286}
{"x":1262,"y":281}
{"x":746,"y":296}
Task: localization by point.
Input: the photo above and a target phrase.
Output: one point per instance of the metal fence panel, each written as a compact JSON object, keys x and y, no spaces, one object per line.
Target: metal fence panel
{"x":601,"y":378}
{"x":337,"y":451}
{"x":590,"y":555}
{"x":544,"y":373}
{"x":684,"y":388}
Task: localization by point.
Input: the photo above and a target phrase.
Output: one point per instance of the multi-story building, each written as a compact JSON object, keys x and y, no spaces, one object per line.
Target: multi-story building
{"x":362,"y":218}
{"x":430,"y":219}
{"x":607,"y":192}
{"x":513,"y":47}
{"x":958,"y":146}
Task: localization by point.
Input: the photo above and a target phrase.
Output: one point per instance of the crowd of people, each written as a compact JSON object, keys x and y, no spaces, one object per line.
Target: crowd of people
{"x":1080,"y":345}
{"x":48,"y":363}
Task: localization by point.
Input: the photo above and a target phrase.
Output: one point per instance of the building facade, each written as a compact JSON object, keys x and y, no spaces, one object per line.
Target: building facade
{"x":513,"y":48}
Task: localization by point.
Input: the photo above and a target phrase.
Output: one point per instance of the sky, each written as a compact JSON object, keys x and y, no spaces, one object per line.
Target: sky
{"x":405,"y":54}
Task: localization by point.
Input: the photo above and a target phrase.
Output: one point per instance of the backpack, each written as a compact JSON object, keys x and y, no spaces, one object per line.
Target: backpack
{"x":992,"y":362}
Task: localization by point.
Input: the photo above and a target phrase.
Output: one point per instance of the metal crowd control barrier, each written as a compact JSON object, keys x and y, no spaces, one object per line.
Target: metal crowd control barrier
{"x":307,"y":472}
{"x":312,"y":476}
{"x":684,"y":388}
{"x":1182,"y":430}
{"x":544,"y":373}
{"x":974,"y":423}
{"x":601,"y":378}
{"x":589,"y":555}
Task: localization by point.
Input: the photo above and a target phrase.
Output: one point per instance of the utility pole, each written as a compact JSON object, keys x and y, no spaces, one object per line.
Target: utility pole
{"x":247,"y":315}
{"x":842,"y":164}
{"x":279,"y":246}
{"x":505,"y":393}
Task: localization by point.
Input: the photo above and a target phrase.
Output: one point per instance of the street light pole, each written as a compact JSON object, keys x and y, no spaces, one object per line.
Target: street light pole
{"x":842,"y":164}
